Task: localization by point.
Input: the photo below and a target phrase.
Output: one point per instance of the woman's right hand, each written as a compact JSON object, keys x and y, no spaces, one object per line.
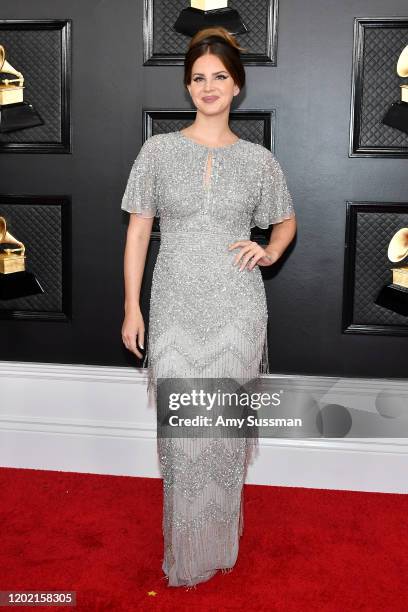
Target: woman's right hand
{"x":133,"y":329}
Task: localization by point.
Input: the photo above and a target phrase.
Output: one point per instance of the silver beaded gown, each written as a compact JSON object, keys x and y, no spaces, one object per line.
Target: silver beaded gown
{"x":207,"y":319}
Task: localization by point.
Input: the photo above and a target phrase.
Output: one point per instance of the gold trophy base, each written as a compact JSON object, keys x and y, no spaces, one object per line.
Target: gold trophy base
{"x":400,"y":276}
{"x":209,"y":5}
{"x":11,"y":94}
{"x":10,"y":263}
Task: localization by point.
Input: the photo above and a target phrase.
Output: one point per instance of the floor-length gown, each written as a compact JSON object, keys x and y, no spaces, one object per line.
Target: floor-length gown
{"x":206,"y":319}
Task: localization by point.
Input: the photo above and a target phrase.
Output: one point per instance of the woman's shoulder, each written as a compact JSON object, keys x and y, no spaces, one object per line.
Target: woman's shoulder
{"x":159,"y":144}
{"x":259,"y":151}
{"x":155,"y":141}
{"x":256,"y":154}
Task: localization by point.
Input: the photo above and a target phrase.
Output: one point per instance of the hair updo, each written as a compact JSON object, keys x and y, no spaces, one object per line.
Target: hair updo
{"x":218,"y":41}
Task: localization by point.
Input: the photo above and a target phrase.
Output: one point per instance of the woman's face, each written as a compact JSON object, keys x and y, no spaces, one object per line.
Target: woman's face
{"x":212,"y":87}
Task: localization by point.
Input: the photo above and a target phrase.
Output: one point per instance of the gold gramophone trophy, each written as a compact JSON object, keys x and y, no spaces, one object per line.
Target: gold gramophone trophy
{"x":209,"y":13}
{"x":395,"y":296}
{"x":12,"y":257}
{"x":15,"y":281}
{"x":402,"y":70}
{"x":397,"y":114}
{"x":15,"y":114}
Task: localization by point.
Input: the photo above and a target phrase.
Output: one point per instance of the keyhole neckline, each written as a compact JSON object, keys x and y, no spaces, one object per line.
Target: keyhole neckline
{"x":208,"y":147}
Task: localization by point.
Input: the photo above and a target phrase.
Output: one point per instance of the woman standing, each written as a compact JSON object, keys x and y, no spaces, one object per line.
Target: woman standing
{"x":208,"y":313}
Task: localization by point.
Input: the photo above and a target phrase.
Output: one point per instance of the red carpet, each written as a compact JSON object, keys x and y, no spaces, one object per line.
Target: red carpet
{"x":302,"y":549}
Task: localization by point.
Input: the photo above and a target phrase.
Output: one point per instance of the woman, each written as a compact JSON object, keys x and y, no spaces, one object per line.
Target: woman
{"x":208,"y":313}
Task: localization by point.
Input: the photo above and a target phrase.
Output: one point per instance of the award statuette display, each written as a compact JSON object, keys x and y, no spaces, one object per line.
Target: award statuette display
{"x":15,"y":281}
{"x":395,"y":295}
{"x":209,"y":13}
{"x":15,"y":114}
{"x":397,"y":114}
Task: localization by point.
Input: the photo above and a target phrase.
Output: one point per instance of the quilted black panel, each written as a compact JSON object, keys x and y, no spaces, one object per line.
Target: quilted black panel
{"x":372,"y":266}
{"x":37,"y":53}
{"x":258,"y":41}
{"x":378,"y":45}
{"x":382,"y":48}
{"x":40,"y":228}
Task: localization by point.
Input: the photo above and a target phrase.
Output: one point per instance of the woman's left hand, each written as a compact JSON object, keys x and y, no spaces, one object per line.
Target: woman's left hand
{"x":253,"y":252}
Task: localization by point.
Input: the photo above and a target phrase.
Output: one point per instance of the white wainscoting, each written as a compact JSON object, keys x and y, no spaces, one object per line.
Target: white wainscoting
{"x":96,"y":419}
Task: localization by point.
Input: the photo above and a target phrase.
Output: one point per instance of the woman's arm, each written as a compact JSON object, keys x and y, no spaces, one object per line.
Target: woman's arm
{"x":137,"y":242}
{"x":281,"y":236}
{"x":252,"y":253}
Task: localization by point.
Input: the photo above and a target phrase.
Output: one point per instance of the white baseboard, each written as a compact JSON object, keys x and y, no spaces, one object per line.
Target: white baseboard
{"x":95,"y":419}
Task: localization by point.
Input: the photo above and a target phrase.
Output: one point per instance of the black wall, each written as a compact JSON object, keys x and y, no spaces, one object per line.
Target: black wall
{"x":310,"y":89}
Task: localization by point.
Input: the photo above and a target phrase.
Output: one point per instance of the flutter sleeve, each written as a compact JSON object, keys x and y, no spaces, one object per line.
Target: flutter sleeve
{"x":274,"y":203}
{"x":140,"y":194}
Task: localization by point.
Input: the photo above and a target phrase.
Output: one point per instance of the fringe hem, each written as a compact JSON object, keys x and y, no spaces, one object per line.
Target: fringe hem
{"x":252,"y":451}
{"x":152,"y":382}
{"x":264,"y":365}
